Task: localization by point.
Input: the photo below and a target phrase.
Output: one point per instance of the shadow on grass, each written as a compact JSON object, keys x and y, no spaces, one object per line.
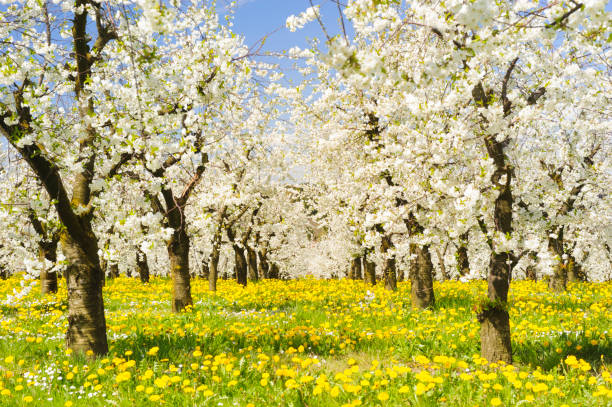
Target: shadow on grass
{"x":549,"y":354}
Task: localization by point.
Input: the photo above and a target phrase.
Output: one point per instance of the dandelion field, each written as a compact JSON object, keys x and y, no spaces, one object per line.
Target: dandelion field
{"x":309,"y":343}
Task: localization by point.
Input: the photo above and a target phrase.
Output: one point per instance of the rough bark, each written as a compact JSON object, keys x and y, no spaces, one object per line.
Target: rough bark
{"x":530,"y":272}
{"x":388,"y":265}
{"x":463,"y":262}
{"x":421,"y":277}
{"x":252,"y":264}
{"x":178,"y":252}
{"x":113,"y":271}
{"x":355,"y":272}
{"x":86,"y":321}
{"x":274,"y":272}
{"x":240,"y":265}
{"x":48,"y":279}
{"x":495,"y":323}
{"x":558,"y":281}
{"x":495,"y":335}
{"x":214,"y":270}
{"x":443,"y":270}
{"x":263,"y":265}
{"x":143,"y":266}
{"x":369,"y":271}
{"x":103,"y":267}
{"x":421,"y":269}
{"x":204,"y":270}
{"x":400,"y":276}
{"x":494,"y":319}
{"x":214,"y":254}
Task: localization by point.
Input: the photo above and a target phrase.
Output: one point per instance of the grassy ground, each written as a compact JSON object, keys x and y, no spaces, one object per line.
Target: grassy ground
{"x":309,"y":343}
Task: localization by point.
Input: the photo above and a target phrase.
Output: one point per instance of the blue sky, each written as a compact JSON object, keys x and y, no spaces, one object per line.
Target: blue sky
{"x":257,"y":18}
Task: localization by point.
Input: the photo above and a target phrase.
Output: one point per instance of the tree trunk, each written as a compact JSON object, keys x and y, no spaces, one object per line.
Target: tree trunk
{"x":214,"y":254}
{"x":86,"y":321}
{"x":494,"y":319}
{"x":443,"y":271}
{"x":264,"y":267}
{"x":143,"y":266}
{"x":3,"y":273}
{"x":47,"y":251}
{"x":369,"y":271}
{"x":113,"y":271}
{"x":359,"y":270}
{"x":103,"y":267}
{"x":240,"y":265}
{"x":205,"y":270}
{"x":400,"y":276}
{"x":355,"y":273}
{"x":558,"y":281}
{"x":178,"y":252}
{"x":214,"y":269}
{"x":421,"y":268}
{"x":421,"y":277}
{"x":389,"y":265}
{"x":463,"y":262}
{"x":252,"y":264}
{"x":274,"y":271}
{"x":495,"y":335}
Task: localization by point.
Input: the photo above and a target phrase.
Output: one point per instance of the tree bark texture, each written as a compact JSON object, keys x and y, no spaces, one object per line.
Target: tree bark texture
{"x":178,"y":253}
{"x":355,"y":272}
{"x":204,"y":270}
{"x":264,"y":267}
{"x":143,"y":266}
{"x":388,"y":265}
{"x":252,"y":264}
{"x":495,"y":336}
{"x":463,"y":262}
{"x":274,"y":272}
{"x":113,"y":271}
{"x":421,"y":278}
{"x":240,"y":265}
{"x":86,"y":321}
{"x":421,"y":269}
{"x":369,"y":271}
{"x":558,"y":281}
{"x":213,"y":266}
{"x":48,"y":279}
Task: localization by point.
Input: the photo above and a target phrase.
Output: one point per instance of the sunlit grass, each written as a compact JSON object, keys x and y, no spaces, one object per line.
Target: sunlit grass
{"x":308,"y":343}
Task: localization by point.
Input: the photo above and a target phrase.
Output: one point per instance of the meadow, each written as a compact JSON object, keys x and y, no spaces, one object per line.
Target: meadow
{"x":308,"y":343}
